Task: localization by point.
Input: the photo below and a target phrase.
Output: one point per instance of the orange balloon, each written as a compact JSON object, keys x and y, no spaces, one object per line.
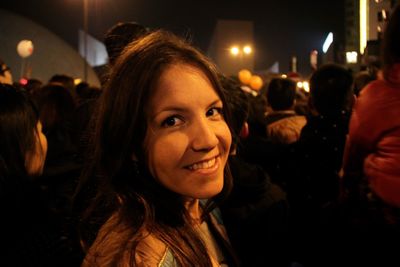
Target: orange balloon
{"x":244,"y":76}
{"x":256,"y":82}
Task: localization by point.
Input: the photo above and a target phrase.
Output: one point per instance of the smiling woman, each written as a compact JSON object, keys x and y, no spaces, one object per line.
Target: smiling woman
{"x":188,"y":139}
{"x":161,"y":144}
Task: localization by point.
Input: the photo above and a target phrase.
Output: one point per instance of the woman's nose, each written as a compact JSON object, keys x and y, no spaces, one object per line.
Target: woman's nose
{"x":204,"y":135}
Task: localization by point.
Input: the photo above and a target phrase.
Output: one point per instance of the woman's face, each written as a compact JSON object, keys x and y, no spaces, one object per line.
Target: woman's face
{"x":187,"y":142}
{"x":35,"y":159}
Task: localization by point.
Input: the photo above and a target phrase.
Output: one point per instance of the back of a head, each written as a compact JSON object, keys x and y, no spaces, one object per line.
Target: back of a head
{"x":391,"y":42}
{"x":33,"y":85}
{"x":56,"y":106}
{"x":119,"y":36}
{"x":238,"y":104}
{"x":65,"y":80}
{"x":281,"y":93}
{"x":331,"y":89}
{"x":86,"y":92}
{"x":18,"y":119}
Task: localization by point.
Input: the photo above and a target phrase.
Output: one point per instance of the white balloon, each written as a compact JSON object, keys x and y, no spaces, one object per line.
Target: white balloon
{"x":25,"y":48}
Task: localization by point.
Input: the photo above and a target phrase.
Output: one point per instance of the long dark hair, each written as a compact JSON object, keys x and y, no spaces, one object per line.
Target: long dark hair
{"x":125,"y":187}
{"x":18,"y":120}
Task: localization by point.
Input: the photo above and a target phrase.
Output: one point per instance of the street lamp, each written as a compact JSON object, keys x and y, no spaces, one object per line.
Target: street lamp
{"x":237,"y":51}
{"x":247,"y":50}
{"x":241,"y":52}
{"x":234,"y":50}
{"x":240,"y":55}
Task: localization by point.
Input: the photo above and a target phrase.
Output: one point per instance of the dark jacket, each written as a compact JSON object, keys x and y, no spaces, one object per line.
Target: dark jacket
{"x":255,"y":216}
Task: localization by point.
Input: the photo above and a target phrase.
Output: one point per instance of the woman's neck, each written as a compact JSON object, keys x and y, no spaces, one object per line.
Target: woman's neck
{"x":193,"y":207}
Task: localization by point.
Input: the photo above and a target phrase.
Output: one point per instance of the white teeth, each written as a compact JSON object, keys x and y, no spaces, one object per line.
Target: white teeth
{"x":203,"y":165}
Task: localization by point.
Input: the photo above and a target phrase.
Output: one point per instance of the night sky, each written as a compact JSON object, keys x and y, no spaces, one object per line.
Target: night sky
{"x":282,"y":28}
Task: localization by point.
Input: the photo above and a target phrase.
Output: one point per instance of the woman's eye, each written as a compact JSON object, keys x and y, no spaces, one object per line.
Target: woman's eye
{"x":171,"y":121}
{"x":212,"y":112}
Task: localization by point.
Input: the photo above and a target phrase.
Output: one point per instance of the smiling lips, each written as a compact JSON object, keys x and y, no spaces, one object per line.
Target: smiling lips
{"x":208,"y":164}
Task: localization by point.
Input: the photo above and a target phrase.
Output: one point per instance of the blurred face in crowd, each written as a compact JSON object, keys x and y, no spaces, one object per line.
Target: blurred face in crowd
{"x":187,"y":141}
{"x":36,"y":158}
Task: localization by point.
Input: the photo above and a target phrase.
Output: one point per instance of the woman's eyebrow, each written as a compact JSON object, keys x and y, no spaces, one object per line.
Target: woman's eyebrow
{"x":217,"y":101}
{"x":179,"y":108}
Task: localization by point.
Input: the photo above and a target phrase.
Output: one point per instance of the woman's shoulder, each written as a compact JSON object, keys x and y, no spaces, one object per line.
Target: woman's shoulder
{"x":115,"y":239}
{"x":151,"y":251}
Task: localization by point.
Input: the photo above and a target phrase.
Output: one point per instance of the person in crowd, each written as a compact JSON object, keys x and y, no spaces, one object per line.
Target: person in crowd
{"x":361,"y":79}
{"x":158,"y":167}
{"x":371,"y":163}
{"x":315,"y":181}
{"x":86,"y":93}
{"x":119,"y":36}
{"x":283,"y":125}
{"x":88,"y":96}
{"x":66,"y":81}
{"x":372,"y":154}
{"x":32,"y":234}
{"x":115,"y":40}
{"x":257,"y":148}
{"x":310,"y":167}
{"x":256,"y":212}
{"x":33,"y":86}
{"x":62,"y":168}
{"x":366,"y":75}
{"x":5,"y":73}
{"x":256,"y":120}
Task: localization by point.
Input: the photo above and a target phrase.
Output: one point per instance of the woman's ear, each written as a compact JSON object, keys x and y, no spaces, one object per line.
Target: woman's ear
{"x":134,"y":157}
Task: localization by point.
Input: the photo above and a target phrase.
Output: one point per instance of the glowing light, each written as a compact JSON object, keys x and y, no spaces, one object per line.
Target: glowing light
{"x":363,"y":25}
{"x":300,"y":84}
{"x":306,"y":86}
{"x":77,"y":81}
{"x":328,"y":42}
{"x":247,"y":49}
{"x":284,"y":76}
{"x":234,"y":50}
{"x":303,"y":85}
{"x":384,"y":15}
{"x":23,"y":81}
{"x":351,"y":57}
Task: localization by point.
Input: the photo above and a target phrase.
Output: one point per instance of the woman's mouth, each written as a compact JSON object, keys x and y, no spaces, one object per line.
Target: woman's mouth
{"x":207,"y":164}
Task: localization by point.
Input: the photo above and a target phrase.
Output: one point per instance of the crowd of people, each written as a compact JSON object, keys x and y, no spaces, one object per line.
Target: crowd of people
{"x":172,"y":163}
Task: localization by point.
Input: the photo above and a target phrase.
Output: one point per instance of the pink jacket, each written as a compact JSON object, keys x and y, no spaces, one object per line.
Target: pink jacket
{"x":373,"y":144}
